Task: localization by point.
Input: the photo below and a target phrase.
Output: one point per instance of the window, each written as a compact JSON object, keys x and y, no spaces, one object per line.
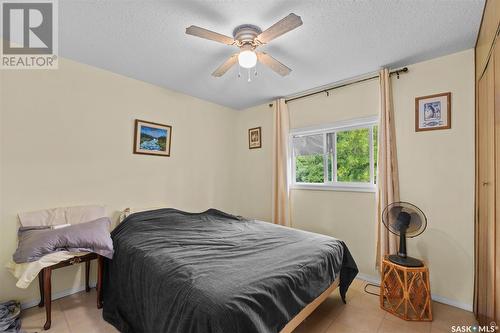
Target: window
{"x":340,"y":156}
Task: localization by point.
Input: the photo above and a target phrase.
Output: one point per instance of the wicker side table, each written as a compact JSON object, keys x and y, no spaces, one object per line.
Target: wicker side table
{"x":405,"y":291}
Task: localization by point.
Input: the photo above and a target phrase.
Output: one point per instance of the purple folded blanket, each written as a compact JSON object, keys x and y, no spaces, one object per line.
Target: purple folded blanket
{"x":92,"y":236}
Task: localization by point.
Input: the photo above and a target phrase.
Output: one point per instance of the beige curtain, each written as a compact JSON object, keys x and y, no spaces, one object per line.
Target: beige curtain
{"x":387,"y":176}
{"x":281,"y":214}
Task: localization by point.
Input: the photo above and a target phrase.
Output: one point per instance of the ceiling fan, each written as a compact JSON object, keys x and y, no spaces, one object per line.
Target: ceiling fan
{"x":248,"y":38}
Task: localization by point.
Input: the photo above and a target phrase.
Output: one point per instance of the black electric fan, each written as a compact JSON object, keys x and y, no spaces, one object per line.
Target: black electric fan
{"x":404,"y":220}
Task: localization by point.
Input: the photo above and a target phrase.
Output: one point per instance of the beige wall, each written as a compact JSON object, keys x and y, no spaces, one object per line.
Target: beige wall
{"x":253,"y":167}
{"x":344,"y":215}
{"x":67,"y":137}
{"x":436,"y":173}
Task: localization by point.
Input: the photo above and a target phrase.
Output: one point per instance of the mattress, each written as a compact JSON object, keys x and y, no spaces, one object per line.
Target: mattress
{"x":212,"y":272}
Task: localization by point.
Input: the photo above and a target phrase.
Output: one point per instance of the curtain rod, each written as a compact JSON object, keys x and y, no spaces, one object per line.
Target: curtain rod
{"x":395,"y":71}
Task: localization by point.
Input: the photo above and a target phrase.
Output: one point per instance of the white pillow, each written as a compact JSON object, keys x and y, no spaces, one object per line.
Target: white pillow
{"x":62,"y":215}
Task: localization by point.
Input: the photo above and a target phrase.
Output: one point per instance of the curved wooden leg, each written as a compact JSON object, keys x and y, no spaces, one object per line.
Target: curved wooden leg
{"x":40,"y":286}
{"x":99,"y":281}
{"x":47,"y":290}
{"x":87,"y":273}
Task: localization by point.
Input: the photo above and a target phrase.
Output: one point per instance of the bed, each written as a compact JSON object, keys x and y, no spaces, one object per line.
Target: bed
{"x":213,"y":272}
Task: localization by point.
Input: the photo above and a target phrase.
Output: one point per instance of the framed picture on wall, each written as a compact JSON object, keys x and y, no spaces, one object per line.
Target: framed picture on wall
{"x":152,"y":138}
{"x":433,"y":112}
{"x":254,"y":138}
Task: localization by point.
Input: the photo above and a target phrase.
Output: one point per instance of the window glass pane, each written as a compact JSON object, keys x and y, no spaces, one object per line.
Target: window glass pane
{"x":308,"y":151}
{"x":353,"y":156}
{"x":308,"y":144}
{"x":375,"y":151}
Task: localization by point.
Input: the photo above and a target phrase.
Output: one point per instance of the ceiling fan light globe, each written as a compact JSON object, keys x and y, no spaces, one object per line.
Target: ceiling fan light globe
{"x":247,"y":59}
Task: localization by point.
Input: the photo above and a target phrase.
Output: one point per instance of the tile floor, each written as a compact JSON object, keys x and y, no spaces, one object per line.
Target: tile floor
{"x":78,"y":314}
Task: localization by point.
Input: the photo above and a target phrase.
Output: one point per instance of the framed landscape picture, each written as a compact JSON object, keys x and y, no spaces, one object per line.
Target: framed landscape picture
{"x":433,"y":112}
{"x":254,"y":138}
{"x":152,"y":138}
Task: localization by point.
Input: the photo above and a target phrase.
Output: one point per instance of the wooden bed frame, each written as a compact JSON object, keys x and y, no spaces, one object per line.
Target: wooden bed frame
{"x":302,"y":315}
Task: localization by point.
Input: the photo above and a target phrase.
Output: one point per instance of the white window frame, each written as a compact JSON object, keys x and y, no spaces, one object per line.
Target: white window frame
{"x":334,"y":185}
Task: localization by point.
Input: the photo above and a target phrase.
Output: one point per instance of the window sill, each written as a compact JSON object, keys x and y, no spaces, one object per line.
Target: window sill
{"x":330,"y":187}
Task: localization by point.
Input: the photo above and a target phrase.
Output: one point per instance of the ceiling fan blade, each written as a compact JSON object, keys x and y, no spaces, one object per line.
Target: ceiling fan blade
{"x":208,"y":34}
{"x":274,"y":64}
{"x":222,"y":69}
{"x":286,"y":24}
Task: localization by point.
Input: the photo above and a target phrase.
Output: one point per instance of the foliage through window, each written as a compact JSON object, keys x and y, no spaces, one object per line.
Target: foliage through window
{"x":309,"y":158}
{"x":337,"y":156}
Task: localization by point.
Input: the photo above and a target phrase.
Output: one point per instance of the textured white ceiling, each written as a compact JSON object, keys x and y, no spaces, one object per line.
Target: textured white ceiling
{"x":145,"y":40}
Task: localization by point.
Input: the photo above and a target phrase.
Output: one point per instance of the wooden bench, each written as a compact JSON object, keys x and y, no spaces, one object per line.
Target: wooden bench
{"x":44,"y":280}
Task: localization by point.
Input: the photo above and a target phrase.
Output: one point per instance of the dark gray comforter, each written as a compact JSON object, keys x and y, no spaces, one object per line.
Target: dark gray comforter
{"x":212,"y":272}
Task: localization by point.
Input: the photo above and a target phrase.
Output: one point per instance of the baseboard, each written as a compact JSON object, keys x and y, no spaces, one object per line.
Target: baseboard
{"x":444,"y":300}
{"x":368,"y":278}
{"x":437,"y":298}
{"x":57,"y":295}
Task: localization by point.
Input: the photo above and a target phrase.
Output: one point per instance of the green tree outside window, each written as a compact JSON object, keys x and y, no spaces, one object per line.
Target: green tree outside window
{"x":309,"y":169}
{"x":347,"y":156}
{"x":353,"y":156}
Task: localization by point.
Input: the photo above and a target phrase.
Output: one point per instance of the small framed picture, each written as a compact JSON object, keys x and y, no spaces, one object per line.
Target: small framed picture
{"x":254,"y":138}
{"x":433,"y":112}
{"x":152,"y":138}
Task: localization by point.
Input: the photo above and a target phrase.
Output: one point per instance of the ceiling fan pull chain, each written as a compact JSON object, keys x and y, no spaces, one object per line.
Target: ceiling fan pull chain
{"x":249,"y":76}
{"x":239,"y":71}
